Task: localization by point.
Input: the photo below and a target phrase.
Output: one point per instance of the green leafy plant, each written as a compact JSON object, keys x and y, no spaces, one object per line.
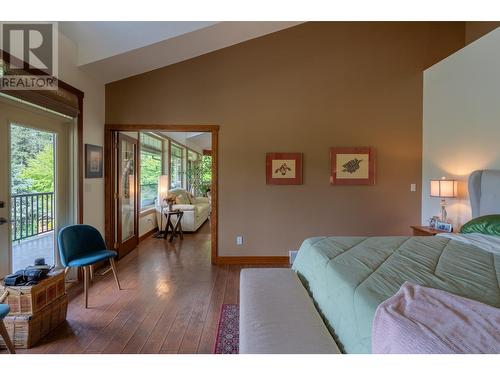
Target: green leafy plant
{"x":39,"y":172}
{"x":25,"y":145}
{"x":199,"y":176}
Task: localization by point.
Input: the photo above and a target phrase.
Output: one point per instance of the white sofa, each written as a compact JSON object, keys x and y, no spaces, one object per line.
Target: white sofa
{"x":195,"y":214}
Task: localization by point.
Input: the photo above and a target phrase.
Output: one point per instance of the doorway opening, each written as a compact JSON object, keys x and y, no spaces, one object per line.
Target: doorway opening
{"x":160,"y":176}
{"x":32,"y":177}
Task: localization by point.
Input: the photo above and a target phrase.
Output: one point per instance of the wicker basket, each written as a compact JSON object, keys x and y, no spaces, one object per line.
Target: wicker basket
{"x":26,"y":330}
{"x":29,"y":300}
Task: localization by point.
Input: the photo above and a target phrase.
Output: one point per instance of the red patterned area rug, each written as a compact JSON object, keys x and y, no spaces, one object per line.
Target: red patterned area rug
{"x":228,"y":332}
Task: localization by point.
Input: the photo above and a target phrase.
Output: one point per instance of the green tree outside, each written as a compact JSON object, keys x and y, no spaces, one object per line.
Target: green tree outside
{"x":199,"y":175}
{"x":150,"y":170}
{"x":39,"y":172}
{"x":25,"y":145}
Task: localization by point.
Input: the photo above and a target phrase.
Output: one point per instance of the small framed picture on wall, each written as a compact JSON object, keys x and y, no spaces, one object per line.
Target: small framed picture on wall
{"x":284,"y":168}
{"x":93,"y":161}
{"x":352,"y":166}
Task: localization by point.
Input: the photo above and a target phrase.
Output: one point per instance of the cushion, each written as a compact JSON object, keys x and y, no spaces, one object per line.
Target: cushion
{"x":488,"y":224}
{"x":181,"y":196}
{"x":92,"y":257}
{"x":4,"y":310}
{"x":201,"y":200}
{"x":277,"y":316}
{"x":183,"y":207}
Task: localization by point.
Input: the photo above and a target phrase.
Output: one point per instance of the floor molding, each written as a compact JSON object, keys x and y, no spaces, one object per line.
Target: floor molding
{"x":278,"y":260}
{"x":147,"y":234}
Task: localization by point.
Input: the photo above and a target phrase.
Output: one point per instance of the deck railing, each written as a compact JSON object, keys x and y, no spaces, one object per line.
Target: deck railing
{"x":32,"y":214}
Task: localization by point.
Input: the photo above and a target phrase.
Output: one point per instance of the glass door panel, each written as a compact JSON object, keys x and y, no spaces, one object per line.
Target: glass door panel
{"x":127,"y":188}
{"x":33,"y":178}
{"x":127,"y":237}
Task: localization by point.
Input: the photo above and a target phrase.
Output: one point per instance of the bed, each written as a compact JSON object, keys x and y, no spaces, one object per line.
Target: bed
{"x":348,"y":277}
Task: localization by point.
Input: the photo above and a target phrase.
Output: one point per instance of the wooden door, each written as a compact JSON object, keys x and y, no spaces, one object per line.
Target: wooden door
{"x":33,"y":209}
{"x":126,"y":193}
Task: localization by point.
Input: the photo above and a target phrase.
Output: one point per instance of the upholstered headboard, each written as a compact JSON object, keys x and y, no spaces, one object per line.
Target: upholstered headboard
{"x":484,"y":192}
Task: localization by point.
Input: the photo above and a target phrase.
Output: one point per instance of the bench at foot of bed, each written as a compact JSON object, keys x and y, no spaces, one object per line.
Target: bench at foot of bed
{"x":277,"y":316}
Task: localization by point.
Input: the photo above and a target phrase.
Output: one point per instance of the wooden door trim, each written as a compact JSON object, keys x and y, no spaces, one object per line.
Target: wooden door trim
{"x":109,"y":129}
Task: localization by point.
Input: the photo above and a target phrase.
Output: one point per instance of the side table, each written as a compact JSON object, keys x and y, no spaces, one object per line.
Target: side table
{"x":175,"y":230}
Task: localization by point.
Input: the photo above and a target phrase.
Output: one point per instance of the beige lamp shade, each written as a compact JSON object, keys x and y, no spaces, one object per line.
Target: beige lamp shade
{"x":162,"y":187}
{"x":444,"y":188}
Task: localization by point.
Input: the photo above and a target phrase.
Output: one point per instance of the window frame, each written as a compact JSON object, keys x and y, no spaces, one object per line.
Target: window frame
{"x":152,"y":150}
{"x":182,"y":166}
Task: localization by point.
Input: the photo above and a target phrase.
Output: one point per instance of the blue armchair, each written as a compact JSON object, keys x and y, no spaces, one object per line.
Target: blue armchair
{"x":4,"y":310}
{"x":83,"y":246}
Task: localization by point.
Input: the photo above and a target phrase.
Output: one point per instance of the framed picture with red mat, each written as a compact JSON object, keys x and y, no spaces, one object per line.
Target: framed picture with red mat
{"x":284,"y":168}
{"x":352,"y":166}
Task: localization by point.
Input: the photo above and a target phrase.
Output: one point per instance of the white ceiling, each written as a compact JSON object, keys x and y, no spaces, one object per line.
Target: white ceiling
{"x":100,"y":40}
{"x":203,"y":140}
{"x":197,"y":140}
{"x":193,"y":134}
{"x":111,"y":51}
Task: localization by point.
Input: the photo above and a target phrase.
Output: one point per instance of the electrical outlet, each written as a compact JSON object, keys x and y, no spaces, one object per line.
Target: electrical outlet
{"x":413,"y":187}
{"x":239,"y":240}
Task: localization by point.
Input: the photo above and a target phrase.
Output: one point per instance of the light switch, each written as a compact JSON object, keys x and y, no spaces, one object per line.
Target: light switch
{"x":239,"y":240}
{"x":413,"y":187}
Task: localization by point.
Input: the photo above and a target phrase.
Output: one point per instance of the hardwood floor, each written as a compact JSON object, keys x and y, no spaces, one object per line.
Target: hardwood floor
{"x":170,"y":302}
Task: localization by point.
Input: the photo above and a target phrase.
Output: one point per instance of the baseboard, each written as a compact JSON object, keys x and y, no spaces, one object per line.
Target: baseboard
{"x":147,"y":234}
{"x":278,"y":260}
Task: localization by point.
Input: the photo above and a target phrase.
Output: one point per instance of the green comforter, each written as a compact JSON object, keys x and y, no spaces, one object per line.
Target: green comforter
{"x":348,"y":277}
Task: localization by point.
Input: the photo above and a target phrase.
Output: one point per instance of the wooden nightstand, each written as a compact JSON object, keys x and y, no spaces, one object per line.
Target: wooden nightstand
{"x":425,"y":231}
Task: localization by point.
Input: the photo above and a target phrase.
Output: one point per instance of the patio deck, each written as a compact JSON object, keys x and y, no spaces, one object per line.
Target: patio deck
{"x":24,"y":252}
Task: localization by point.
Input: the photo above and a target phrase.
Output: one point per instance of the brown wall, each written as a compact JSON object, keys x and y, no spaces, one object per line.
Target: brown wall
{"x":304,"y":89}
{"x":475,"y":30}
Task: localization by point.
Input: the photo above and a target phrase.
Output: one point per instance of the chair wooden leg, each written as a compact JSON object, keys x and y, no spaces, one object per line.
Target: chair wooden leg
{"x":86,"y":285}
{"x":6,"y":338}
{"x":66,"y":270}
{"x":91,"y":268}
{"x":115,"y":274}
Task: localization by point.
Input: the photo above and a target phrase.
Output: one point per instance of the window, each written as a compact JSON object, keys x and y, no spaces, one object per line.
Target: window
{"x":206,"y":173}
{"x":192,"y":170}
{"x":176,"y":160}
{"x":151,"y":168}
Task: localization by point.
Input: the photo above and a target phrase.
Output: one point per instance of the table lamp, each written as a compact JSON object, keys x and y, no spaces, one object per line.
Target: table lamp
{"x":162,"y":188}
{"x":443,"y":189}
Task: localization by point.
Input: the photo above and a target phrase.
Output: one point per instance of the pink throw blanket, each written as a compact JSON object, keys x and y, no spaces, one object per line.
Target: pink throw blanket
{"x":420,"y":320}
